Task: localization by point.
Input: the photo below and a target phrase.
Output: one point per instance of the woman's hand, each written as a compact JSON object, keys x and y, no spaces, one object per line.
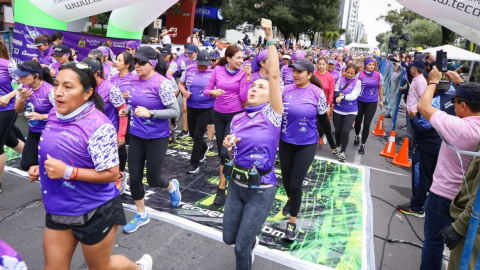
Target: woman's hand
{"x":380,"y":104}
{"x":55,"y":168}
{"x":186,"y":94}
{"x":216,"y":93}
{"x":142,"y":112}
{"x":123,"y":113}
{"x":121,"y":142}
{"x":25,"y":93}
{"x":247,"y":69}
{"x":33,"y":173}
{"x":227,"y":144}
{"x":267,"y":27}
{"x":4,"y":100}
{"x":126,"y":94}
{"x":35,"y":116}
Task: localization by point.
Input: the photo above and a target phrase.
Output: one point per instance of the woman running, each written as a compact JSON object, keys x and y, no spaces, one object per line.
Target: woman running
{"x":302,"y":102}
{"x":78,"y":168}
{"x":224,"y":85}
{"x":114,"y":102}
{"x":250,"y":199}
{"x":199,"y":107}
{"x":43,"y":44}
{"x":371,"y":95}
{"x":131,"y":47}
{"x":8,"y":116}
{"x":62,"y":54}
{"x":347,"y":90}
{"x":35,"y":97}
{"x":151,"y":102}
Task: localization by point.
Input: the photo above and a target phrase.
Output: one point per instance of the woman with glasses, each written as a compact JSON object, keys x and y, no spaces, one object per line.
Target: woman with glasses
{"x":62,"y":54}
{"x":35,"y":97}
{"x":224,"y":86}
{"x":78,"y":168}
{"x":131,"y":47}
{"x":43,"y":43}
{"x":151,"y":102}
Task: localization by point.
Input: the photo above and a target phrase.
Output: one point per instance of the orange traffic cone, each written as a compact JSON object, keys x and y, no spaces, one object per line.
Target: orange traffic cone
{"x":389,"y":150}
{"x":379,"y":129}
{"x":402,"y":158}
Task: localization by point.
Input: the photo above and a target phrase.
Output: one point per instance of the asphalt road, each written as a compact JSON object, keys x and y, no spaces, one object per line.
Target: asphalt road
{"x":22,"y":222}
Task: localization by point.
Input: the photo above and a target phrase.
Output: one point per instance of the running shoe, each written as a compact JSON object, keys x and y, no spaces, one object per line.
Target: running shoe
{"x":220,"y":197}
{"x":407,"y":210}
{"x":173,"y":126}
{"x":204,"y":154}
{"x":356,"y":141}
{"x":255,"y":245}
{"x":286,"y":209}
{"x":183,"y":134}
{"x":146,"y":262}
{"x":320,"y":143}
{"x":122,"y":182}
{"x":336,"y":151}
{"x":291,"y":231}
{"x":136,"y":222}
{"x":361,"y":150}
{"x":210,"y":144}
{"x":192,"y":170}
{"x":341,"y":157}
{"x":175,"y":195}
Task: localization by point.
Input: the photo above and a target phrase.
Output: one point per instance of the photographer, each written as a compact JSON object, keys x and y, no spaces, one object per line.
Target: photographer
{"x":167,"y":35}
{"x":463,"y":71}
{"x":463,"y":132}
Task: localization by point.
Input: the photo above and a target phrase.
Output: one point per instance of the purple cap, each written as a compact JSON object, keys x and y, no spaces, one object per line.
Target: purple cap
{"x":259,"y":57}
{"x":298,"y":54}
{"x":132,"y":45}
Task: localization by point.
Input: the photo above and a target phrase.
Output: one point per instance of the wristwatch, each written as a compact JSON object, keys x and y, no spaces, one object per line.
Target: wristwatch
{"x":152,"y":112}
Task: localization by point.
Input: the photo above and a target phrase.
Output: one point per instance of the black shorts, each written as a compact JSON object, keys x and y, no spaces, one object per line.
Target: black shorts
{"x":98,"y":227}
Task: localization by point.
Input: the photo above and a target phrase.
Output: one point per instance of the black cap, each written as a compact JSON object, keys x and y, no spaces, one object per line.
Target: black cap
{"x":168,"y":45}
{"x":165,"y":51}
{"x":146,"y":53}
{"x":61,"y":49}
{"x":203,"y":58}
{"x":303,"y":64}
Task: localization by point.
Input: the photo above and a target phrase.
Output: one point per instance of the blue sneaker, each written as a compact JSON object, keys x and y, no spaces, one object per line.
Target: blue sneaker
{"x":136,"y":223}
{"x":175,"y":196}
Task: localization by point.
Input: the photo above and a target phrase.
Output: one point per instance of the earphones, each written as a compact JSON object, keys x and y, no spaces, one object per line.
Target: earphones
{"x":35,"y":76}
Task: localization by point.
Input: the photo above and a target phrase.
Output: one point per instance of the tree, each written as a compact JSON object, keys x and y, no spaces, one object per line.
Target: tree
{"x":348,"y":39}
{"x":103,"y":18}
{"x":424,"y":32}
{"x":380,"y":38}
{"x":397,"y":19}
{"x":448,"y":36}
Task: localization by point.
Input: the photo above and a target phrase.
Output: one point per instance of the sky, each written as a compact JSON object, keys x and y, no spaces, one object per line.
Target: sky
{"x":369,"y":11}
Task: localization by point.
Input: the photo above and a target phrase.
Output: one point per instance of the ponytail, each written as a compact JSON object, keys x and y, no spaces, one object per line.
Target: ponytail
{"x":316,"y":81}
{"x":46,"y":76}
{"x":223,"y":61}
{"x":161,"y":65}
{"x":98,"y":101}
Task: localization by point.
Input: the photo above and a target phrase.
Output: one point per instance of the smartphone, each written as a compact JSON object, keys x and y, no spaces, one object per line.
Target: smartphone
{"x":418,"y":56}
{"x":444,"y":62}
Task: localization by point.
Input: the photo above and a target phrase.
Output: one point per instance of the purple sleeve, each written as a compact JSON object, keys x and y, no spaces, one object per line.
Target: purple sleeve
{"x":244,"y":87}
{"x":211,"y":83}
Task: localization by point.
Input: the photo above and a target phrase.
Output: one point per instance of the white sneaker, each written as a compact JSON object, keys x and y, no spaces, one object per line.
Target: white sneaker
{"x":146,"y":262}
{"x":254,"y":247}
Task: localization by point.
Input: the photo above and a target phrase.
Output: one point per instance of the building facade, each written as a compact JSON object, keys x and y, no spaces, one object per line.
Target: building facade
{"x":348,"y":15}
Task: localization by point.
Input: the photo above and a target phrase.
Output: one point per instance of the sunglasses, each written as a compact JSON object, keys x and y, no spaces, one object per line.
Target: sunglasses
{"x":140,"y":62}
{"x":128,"y":49}
{"x":79,"y":65}
{"x":213,"y":60}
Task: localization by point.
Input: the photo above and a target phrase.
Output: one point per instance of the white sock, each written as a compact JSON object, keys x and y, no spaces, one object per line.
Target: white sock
{"x":143,"y":215}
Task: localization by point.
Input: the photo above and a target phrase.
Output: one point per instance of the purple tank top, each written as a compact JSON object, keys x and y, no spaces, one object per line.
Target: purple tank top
{"x":113,"y":99}
{"x":370,"y":83}
{"x":6,"y":83}
{"x":87,"y":140}
{"x":257,"y":150}
{"x":301,"y":106}
{"x":42,"y":101}
{"x":195,"y":82}
{"x":154,"y":93}
{"x":287,"y":75}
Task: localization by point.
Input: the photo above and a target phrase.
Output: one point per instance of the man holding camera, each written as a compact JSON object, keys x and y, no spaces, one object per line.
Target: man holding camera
{"x":167,"y":35}
{"x":463,"y":132}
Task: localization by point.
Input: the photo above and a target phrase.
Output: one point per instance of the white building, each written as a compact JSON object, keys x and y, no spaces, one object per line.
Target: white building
{"x":349,"y":17}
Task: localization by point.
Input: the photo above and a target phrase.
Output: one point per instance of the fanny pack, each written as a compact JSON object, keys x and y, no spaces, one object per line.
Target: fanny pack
{"x":74,"y":220}
{"x":244,"y":175}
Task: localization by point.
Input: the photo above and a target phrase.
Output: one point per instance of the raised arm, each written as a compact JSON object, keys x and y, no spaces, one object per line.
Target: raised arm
{"x":273,"y":69}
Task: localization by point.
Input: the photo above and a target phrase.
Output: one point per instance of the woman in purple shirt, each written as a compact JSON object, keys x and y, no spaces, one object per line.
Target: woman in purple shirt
{"x":199,"y":107}
{"x":347,"y":90}
{"x":62,"y":54}
{"x":34,"y":97}
{"x":372,"y":89}
{"x":78,"y":168}
{"x":131,"y":47}
{"x":250,"y":199}
{"x":302,"y":102}
{"x":151,"y":102}
{"x":224,"y":85}
{"x":43,"y":44}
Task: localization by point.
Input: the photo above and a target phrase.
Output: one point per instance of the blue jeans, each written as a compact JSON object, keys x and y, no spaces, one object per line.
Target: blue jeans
{"x":424,"y":165}
{"x":437,"y":217}
{"x":245,"y":212}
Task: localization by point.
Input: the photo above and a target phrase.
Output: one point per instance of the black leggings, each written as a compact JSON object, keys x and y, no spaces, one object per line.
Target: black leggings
{"x":7,"y":122}
{"x":323,"y":127}
{"x":153,"y":151}
{"x":30,"y":150}
{"x":294,"y":162}
{"x":197,"y":122}
{"x":222,"y":129}
{"x":368,"y":110}
{"x":343,"y":124}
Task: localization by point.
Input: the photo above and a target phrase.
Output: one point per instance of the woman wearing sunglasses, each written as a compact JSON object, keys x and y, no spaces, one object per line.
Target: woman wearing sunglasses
{"x":131,"y":47}
{"x":35,"y":97}
{"x":78,"y":168}
{"x":152,"y":101}
{"x":224,"y":86}
{"x":62,"y":54}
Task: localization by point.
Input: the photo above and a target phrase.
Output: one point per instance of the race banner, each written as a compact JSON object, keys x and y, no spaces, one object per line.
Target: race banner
{"x":24,"y":35}
{"x":334,"y":230}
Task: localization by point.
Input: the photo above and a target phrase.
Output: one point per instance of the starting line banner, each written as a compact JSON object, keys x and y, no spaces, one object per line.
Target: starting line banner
{"x":335,"y":226}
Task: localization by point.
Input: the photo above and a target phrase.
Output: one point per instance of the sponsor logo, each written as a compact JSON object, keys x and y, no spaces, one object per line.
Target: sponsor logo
{"x":17,"y":42}
{"x":69,"y":136}
{"x":24,"y":52}
{"x":93,"y":42}
{"x":273,"y":232}
{"x":302,"y":129}
{"x":202,"y":11}
{"x":16,"y":51}
{"x":81,"y":43}
{"x":219,"y":14}
{"x":18,"y":31}
{"x":201,"y":210}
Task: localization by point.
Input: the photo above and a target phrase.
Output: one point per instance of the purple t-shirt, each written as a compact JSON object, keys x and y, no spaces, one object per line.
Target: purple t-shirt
{"x":154,"y":93}
{"x":55,"y":66}
{"x":349,"y":104}
{"x":246,"y":86}
{"x":336,"y":74}
{"x":257,"y":150}
{"x":113,"y":99}
{"x":41,"y":101}
{"x":9,"y":258}
{"x":221,"y":79}
{"x":287,"y":75}
{"x":181,"y":57}
{"x":195,"y":82}
{"x":107,"y":68}
{"x":123,"y":83}
{"x":301,"y":106}
{"x":6,"y":76}
{"x":370,"y":84}
{"x":46,"y":57}
{"x":87,"y":139}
